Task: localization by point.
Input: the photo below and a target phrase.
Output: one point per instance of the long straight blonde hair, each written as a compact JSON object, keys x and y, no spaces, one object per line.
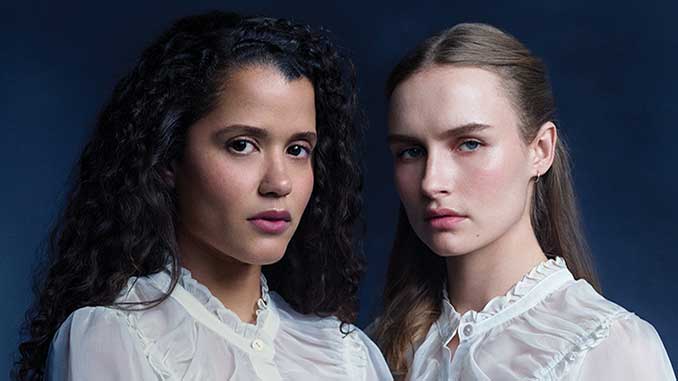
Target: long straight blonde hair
{"x":416,"y":276}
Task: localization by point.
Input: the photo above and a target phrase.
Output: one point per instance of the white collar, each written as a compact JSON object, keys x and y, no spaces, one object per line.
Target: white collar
{"x":537,"y":284}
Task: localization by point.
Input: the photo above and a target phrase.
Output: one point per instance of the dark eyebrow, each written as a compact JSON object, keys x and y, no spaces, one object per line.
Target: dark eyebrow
{"x":241,"y":129}
{"x":308,"y":136}
{"x":464,"y":129}
{"x":262,"y":134}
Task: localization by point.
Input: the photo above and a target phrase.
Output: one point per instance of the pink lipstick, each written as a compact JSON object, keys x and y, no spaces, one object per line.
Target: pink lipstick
{"x":271,"y":221}
{"x":443,"y":219}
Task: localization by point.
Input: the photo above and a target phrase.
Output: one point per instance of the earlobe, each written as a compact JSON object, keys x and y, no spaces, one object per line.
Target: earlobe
{"x":543,"y":148}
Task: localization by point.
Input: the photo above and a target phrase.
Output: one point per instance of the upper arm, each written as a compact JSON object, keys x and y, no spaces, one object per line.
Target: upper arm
{"x":377,"y":369}
{"x":96,"y":343}
{"x":632,"y":351}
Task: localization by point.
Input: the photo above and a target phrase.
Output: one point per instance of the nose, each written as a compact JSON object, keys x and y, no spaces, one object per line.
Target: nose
{"x":437,"y":181}
{"x":276,"y":181}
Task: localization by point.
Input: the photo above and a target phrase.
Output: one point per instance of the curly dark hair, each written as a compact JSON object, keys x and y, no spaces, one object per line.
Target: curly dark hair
{"x":120,"y":215}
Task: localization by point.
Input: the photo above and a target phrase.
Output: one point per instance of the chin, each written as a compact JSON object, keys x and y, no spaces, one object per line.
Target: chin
{"x":266,"y":253}
{"x":448,"y":244}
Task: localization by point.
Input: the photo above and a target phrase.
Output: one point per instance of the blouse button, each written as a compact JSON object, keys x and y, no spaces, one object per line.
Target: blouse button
{"x":258,"y":345}
{"x":468,"y":330}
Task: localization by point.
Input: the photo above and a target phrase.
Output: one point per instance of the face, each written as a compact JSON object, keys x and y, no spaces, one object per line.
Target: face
{"x":246,"y":174}
{"x":462,"y":168}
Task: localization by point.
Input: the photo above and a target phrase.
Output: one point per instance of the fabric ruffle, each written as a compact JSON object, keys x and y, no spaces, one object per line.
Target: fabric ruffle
{"x":228,"y":317}
{"x":542,"y":339}
{"x":526,"y":284}
{"x":172,"y":340}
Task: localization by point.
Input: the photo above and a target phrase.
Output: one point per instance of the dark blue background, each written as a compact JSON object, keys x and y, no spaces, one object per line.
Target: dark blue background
{"x":614,"y":73}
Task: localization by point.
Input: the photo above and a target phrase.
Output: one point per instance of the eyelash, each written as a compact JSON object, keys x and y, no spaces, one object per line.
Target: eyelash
{"x":479,"y":144}
{"x":401,"y":154}
{"x":230,"y":146}
{"x":304,"y":148}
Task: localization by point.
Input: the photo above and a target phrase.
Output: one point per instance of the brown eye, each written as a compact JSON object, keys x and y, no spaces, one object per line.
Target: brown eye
{"x":298,"y":150}
{"x":241,"y":146}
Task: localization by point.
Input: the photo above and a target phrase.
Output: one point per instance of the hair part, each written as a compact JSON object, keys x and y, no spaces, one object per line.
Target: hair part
{"x":416,"y":276}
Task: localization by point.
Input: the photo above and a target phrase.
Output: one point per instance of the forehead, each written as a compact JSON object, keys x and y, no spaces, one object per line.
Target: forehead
{"x":441,"y":97}
{"x":261,"y":96}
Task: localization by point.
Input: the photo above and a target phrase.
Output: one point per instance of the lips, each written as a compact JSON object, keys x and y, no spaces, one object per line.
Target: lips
{"x":271,"y":221}
{"x":443,"y":219}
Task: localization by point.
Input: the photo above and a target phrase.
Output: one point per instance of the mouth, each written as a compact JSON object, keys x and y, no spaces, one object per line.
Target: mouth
{"x":443,"y":219}
{"x":271,"y":221}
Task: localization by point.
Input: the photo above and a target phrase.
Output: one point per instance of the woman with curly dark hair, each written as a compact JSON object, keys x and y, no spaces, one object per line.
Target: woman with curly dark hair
{"x":223,"y":166}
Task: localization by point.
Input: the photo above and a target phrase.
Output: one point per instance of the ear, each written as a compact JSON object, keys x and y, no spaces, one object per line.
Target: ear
{"x":542,"y":149}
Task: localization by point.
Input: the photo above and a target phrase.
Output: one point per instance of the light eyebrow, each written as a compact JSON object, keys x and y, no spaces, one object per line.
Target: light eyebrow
{"x":456,"y":131}
{"x":465,"y":129}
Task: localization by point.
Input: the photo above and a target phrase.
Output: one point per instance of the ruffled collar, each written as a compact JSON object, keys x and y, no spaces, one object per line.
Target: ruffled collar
{"x":228,"y":317}
{"x":526,"y":292}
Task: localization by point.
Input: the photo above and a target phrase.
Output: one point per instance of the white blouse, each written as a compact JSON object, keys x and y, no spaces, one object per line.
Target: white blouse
{"x":547,"y":327}
{"x":192,"y":336}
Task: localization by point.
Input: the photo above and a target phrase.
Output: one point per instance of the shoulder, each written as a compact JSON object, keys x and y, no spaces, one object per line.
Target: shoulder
{"x":95,"y":343}
{"x":342,"y":347}
{"x":632,"y":350}
{"x":557,"y":333}
{"x":89,"y":325}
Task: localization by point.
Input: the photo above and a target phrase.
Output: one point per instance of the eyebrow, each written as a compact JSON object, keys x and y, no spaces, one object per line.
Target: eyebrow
{"x":241,"y":129}
{"x":260,"y":133}
{"x":461,"y":130}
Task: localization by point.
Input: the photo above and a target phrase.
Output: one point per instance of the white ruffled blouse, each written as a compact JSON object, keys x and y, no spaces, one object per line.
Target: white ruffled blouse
{"x":549,"y":326}
{"x":192,"y":336}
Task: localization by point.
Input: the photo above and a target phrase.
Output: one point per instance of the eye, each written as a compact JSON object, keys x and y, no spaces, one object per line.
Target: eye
{"x":469,"y":145}
{"x":299,"y":151}
{"x":241,"y":146}
{"x":410,"y":153}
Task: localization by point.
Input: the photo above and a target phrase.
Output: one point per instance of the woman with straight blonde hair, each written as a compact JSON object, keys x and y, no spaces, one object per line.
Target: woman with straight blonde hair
{"x":489,"y":256}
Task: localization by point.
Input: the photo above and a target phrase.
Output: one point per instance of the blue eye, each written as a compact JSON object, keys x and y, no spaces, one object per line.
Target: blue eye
{"x":410,"y":153}
{"x":469,"y":145}
{"x":241,"y":146}
{"x":298,"y":150}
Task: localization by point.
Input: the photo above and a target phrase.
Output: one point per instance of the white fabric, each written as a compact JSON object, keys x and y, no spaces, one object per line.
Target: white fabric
{"x":192,"y":336}
{"x":547,"y":327}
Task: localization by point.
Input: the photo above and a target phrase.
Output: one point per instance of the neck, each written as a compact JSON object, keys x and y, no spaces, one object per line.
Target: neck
{"x":473,"y":279}
{"x":236,"y":284}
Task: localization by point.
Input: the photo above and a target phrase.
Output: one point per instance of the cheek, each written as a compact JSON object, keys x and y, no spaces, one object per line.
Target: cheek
{"x":307,"y":182}
{"x":408,"y":182}
{"x":220,"y":185}
{"x":498,"y":181}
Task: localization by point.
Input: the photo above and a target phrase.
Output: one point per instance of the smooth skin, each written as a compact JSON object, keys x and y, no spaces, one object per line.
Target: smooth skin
{"x":251,"y":154}
{"x":457,"y":144}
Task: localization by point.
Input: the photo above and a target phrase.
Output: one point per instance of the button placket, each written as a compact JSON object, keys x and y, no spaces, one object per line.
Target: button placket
{"x":467,"y":330}
{"x":257,"y":345}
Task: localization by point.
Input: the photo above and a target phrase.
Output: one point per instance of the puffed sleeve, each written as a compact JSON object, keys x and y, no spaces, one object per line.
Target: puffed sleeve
{"x":375,"y":367}
{"x":95,"y":343}
{"x":632,"y":351}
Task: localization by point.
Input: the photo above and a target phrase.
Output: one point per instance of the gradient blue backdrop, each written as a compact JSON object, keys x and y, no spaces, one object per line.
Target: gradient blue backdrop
{"x":613,"y":69}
